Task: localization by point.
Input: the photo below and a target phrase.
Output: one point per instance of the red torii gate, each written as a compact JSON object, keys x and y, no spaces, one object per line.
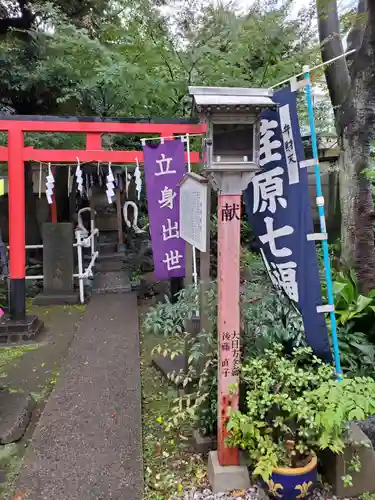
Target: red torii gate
{"x":16,"y":154}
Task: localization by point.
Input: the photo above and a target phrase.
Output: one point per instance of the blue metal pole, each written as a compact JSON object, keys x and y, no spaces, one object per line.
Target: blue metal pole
{"x":319,"y":193}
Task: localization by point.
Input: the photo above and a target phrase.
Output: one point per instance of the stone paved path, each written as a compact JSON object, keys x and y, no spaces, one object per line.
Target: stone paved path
{"x":87,"y":445}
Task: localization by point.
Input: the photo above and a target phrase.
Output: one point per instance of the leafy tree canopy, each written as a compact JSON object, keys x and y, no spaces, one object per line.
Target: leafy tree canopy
{"x":137,"y":58}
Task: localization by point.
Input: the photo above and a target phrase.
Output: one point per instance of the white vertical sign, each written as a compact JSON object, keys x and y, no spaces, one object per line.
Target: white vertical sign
{"x":193,"y":210}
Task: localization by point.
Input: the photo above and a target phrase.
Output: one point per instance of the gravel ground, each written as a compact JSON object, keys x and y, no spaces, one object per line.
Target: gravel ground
{"x":254,"y":493}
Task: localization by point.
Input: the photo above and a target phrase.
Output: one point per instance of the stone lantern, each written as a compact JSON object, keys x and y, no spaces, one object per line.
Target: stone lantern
{"x":233,"y":129}
{"x":231,"y":158}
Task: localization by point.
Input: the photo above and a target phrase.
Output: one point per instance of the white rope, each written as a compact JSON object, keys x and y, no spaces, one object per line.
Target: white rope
{"x":287,"y":80}
{"x":134,"y":225}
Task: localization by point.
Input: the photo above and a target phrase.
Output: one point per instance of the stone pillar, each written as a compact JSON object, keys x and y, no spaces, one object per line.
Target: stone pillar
{"x":58,"y":265}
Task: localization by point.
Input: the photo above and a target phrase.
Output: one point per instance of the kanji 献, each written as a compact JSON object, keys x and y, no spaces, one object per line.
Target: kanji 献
{"x":229,"y":212}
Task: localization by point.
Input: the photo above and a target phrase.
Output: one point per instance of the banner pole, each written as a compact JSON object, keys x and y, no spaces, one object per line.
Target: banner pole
{"x":319,"y":194}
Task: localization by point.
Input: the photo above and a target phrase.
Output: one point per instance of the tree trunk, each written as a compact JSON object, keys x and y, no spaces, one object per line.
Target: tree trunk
{"x":357,"y":234}
{"x":337,"y":74}
{"x":352,"y":93}
{"x":358,"y":135}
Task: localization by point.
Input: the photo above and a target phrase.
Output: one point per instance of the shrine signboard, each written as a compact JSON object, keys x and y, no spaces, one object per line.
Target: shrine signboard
{"x":193,"y":208}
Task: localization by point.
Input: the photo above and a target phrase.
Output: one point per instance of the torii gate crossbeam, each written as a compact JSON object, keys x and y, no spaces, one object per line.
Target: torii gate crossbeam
{"x":16,"y":154}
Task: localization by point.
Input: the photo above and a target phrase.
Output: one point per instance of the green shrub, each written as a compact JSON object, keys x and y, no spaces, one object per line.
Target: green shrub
{"x":294,"y":407}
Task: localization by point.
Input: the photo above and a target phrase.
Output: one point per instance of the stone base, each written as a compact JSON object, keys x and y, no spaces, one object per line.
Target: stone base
{"x":168,"y":366}
{"x":56,"y":299}
{"x":15,"y":414}
{"x":228,"y":478}
{"x":12,"y":332}
{"x":336,"y":466}
{"x":203,"y":444}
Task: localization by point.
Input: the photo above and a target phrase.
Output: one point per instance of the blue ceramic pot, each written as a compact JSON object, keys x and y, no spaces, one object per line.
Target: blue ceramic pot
{"x":291,"y":484}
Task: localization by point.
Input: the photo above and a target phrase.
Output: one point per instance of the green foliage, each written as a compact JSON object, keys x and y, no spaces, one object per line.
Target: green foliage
{"x":350,"y":304}
{"x":356,"y":351}
{"x":167,"y":318}
{"x":295,"y":407}
{"x":246,"y":232}
{"x":133,"y":58}
{"x":367,"y":496}
{"x":268,"y":320}
{"x":355,"y":315}
{"x":264,"y":321}
{"x":252,"y":266}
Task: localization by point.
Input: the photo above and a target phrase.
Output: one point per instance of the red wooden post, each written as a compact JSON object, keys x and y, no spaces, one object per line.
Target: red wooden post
{"x":93,"y":142}
{"x":16,"y":196}
{"x":228,"y":317}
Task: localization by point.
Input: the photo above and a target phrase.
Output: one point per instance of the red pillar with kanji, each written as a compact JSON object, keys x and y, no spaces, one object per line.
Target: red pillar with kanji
{"x":229,"y":210}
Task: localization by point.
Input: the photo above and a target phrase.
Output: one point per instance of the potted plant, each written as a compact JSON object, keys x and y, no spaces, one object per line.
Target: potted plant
{"x":294,"y":408}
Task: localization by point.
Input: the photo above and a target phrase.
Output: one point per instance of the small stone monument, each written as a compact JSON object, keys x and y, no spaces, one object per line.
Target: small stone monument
{"x":58,"y":265}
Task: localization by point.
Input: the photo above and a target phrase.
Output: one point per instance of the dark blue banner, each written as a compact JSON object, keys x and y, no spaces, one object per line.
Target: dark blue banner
{"x":278,"y":209}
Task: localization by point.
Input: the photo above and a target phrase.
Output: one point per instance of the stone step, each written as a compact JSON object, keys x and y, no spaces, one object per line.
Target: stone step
{"x":106,"y":257}
{"x":107,"y":247}
{"x":107,"y":266}
{"x":111,"y":282}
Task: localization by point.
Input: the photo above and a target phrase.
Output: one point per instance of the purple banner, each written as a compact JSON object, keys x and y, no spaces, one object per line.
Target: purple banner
{"x":164,"y":166}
